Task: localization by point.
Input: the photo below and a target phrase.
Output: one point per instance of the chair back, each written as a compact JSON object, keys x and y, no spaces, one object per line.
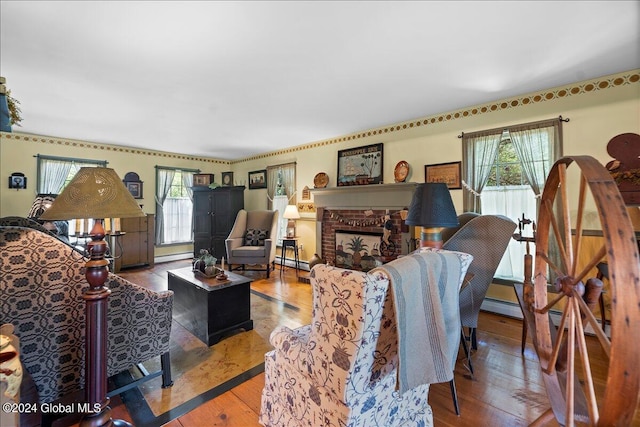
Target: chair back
{"x":485,"y":237}
{"x":348,"y":307}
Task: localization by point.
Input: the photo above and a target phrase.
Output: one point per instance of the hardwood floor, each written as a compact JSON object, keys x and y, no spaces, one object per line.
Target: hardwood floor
{"x":506,"y":389}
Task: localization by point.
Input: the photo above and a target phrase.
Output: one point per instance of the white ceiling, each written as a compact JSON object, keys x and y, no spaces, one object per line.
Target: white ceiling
{"x":233,"y":79}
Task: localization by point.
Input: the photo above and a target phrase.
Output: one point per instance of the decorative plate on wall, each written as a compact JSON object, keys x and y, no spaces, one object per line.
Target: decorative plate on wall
{"x":401,"y":171}
{"x":320,"y":180}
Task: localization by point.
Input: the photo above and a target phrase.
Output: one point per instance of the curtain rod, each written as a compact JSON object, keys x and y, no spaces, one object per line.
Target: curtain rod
{"x":177,"y":169}
{"x":560,"y":118}
{"x":70,"y":159}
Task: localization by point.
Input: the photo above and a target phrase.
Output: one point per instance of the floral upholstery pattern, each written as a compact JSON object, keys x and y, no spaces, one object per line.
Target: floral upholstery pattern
{"x":341,"y":369}
{"x":41,"y":284}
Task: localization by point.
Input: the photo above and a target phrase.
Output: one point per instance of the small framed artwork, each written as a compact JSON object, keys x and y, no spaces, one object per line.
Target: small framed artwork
{"x":18,"y":181}
{"x":449,"y":173}
{"x":258,"y":179}
{"x":202,"y":179}
{"x":227,"y":178}
{"x":360,"y":165}
{"x":135,"y":188}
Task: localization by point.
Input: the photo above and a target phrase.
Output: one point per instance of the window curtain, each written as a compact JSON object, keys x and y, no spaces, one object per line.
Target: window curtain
{"x":54,"y":171}
{"x":479,"y":152}
{"x":512,"y":202}
{"x":538,"y":146}
{"x":164,"y":178}
{"x":187,"y":233}
{"x":53,"y":174}
{"x":287,"y":173}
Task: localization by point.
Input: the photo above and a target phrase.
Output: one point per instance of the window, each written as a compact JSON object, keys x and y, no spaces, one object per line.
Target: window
{"x":174,"y":205}
{"x":54,"y":173}
{"x":281,"y":179}
{"x":504,"y":174}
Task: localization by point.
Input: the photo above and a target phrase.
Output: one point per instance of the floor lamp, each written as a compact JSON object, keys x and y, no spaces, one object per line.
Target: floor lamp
{"x":432,"y":209}
{"x":97,"y":193}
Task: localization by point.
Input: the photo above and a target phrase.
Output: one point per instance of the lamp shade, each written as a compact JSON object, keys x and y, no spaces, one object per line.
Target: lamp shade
{"x":432,"y":206}
{"x":94,"y":192}
{"x":291,"y":212}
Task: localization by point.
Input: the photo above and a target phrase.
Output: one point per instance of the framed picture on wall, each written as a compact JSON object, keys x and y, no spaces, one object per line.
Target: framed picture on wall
{"x":202,"y":179}
{"x":258,"y":179}
{"x":135,"y":188}
{"x":449,"y":173}
{"x":360,"y":165}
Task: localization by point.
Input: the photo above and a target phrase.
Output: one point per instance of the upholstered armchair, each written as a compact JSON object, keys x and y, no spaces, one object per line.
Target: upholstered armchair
{"x":41,"y":284}
{"x":342,"y":369}
{"x":253,"y":239}
{"x":485,"y":237}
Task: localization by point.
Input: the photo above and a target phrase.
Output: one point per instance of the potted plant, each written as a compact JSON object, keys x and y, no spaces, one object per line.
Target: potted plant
{"x":206,"y":263}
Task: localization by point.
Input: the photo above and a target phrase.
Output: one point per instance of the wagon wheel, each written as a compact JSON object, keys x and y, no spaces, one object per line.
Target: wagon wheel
{"x":563,"y":351}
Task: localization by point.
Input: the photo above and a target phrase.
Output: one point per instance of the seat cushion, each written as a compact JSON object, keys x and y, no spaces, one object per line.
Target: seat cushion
{"x":255,"y":237}
{"x":249,"y":251}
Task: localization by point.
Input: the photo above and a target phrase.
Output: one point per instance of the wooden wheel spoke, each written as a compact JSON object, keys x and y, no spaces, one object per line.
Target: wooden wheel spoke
{"x":559,"y":340}
{"x":579,"y":221}
{"x":591,"y":264}
{"x":566,"y":218}
{"x":593,"y":322}
{"x":558,"y":237}
{"x":571,"y":337}
{"x":592,"y":404}
{"x":549,"y":262}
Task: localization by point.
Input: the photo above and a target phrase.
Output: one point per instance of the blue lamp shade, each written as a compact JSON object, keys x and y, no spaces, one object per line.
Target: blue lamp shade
{"x":432,"y":207}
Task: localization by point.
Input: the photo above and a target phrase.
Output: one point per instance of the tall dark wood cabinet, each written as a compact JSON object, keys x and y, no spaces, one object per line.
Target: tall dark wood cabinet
{"x":214,"y":212}
{"x":136,"y":246}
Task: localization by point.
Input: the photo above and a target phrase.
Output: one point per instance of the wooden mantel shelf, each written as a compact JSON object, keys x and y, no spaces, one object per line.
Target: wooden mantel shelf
{"x":382,"y":196}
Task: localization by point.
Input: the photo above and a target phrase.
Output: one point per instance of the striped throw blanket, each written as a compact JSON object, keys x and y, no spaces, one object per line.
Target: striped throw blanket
{"x":425,"y":288}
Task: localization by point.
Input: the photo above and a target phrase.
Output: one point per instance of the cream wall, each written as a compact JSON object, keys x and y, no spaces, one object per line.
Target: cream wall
{"x":18,"y":151}
{"x":598,"y":110}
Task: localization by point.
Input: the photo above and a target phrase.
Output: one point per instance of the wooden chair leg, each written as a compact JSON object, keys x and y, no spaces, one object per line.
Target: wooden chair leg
{"x":524,"y":335}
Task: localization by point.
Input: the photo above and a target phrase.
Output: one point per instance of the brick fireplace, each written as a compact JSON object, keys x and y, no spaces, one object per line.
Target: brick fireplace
{"x":362,"y":209}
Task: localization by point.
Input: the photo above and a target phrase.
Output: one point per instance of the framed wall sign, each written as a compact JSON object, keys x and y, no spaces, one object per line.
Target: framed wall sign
{"x":449,"y":173}
{"x":258,"y":179}
{"x":360,"y":165}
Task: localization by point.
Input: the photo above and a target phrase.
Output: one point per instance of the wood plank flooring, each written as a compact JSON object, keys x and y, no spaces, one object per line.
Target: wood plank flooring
{"x":506,"y":389}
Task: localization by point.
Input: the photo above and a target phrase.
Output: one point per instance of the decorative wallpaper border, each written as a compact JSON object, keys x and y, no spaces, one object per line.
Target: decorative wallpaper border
{"x":581,"y":88}
{"x":574,"y":89}
{"x":106,"y":147}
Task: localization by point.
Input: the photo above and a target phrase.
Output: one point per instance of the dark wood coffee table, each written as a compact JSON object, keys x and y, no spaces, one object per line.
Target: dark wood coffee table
{"x":210,"y":308}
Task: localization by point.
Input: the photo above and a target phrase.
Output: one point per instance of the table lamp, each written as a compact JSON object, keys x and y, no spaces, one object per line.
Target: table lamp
{"x":432,"y":209}
{"x":291,"y":213}
{"x":95,"y":192}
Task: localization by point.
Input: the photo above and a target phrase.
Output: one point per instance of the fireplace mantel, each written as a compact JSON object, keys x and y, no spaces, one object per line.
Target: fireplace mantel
{"x":374,"y":196}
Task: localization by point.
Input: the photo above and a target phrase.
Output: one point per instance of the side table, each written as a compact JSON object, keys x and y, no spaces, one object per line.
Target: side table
{"x":293,"y":243}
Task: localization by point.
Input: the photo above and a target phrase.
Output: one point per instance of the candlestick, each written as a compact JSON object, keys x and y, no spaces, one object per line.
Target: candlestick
{"x":222,"y":264}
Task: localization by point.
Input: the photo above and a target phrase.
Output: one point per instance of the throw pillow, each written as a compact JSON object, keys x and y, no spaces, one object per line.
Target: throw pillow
{"x":255,"y":237}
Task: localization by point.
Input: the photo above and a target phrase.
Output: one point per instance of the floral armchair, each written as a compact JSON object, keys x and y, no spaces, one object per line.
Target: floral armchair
{"x":342,"y":369}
